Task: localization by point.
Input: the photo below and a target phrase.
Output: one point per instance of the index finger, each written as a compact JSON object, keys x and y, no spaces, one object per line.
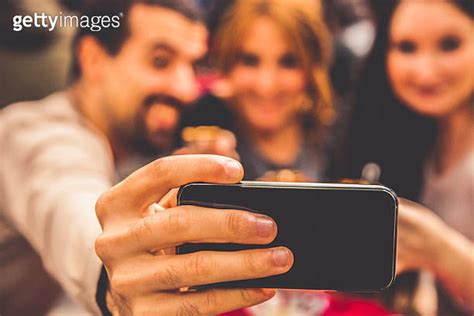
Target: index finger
{"x":150,"y":183}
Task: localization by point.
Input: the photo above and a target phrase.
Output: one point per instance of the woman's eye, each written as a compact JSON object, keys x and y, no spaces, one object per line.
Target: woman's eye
{"x":406,"y":47}
{"x":449,"y":44}
{"x":289,"y":61}
{"x":249,"y":60}
{"x":161,"y":62}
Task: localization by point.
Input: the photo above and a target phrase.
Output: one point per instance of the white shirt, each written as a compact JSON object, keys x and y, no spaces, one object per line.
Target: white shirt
{"x":451,"y":195}
{"x":52,"y":170}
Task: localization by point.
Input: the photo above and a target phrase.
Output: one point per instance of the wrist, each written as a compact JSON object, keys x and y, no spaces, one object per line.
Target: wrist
{"x":452,"y":250}
{"x":455,"y":269}
{"x":443,"y":245}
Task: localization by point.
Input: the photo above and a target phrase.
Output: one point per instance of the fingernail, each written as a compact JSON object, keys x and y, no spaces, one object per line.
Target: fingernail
{"x":281,"y":257}
{"x":268,"y":292}
{"x":232,"y":169}
{"x":265,"y":226}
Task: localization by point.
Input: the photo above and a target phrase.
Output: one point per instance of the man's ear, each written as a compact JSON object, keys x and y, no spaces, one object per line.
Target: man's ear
{"x":92,"y":58}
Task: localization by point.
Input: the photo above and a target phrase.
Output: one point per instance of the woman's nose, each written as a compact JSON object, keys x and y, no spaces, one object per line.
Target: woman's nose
{"x":425,"y":70}
{"x":266,"y":82}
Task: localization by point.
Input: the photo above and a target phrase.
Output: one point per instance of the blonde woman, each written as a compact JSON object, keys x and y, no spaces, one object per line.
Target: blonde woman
{"x":272,"y":57}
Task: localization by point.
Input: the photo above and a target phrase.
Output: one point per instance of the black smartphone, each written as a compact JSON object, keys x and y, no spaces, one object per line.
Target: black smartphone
{"x":343,"y":236}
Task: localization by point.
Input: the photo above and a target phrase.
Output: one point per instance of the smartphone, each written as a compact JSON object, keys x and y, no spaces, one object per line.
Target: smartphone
{"x":343,"y":236}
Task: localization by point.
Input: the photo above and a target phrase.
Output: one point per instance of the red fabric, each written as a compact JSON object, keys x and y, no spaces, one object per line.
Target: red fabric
{"x":239,"y":312}
{"x":341,"y":306}
{"x":338,"y":306}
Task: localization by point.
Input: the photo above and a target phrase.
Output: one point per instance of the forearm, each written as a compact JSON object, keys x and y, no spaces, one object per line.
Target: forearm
{"x":52,"y":170}
{"x":49,"y":197}
{"x":455,"y":268}
{"x":69,"y":253}
{"x":63,"y":230}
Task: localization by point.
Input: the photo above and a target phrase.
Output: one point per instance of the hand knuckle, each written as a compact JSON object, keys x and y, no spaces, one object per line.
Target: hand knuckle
{"x":161,"y":167}
{"x":101,"y":246}
{"x":124,"y":305}
{"x":118,"y":284}
{"x":102,"y":204}
{"x":247,"y":296}
{"x":168,"y":278}
{"x":234,"y":221}
{"x":108,"y":245}
{"x":211,"y":300}
{"x":200,"y":264}
{"x":187,"y":309}
{"x":138,"y":230}
{"x":179,"y":219}
{"x":251,"y":263}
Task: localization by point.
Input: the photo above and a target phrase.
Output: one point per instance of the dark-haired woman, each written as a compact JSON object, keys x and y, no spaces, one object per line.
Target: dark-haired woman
{"x":413,"y":124}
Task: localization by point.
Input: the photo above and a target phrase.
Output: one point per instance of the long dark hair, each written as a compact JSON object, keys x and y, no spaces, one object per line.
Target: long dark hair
{"x":382,"y":129}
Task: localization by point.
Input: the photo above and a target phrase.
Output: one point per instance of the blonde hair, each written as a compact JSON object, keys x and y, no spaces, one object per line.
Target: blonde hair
{"x":302,"y":24}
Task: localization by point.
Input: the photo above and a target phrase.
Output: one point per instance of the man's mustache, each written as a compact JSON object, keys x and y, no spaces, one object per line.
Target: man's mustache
{"x":164,"y":99}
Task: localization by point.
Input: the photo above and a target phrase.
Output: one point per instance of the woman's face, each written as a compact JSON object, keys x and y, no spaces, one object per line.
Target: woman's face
{"x":267,"y":80}
{"x":430,"y":61}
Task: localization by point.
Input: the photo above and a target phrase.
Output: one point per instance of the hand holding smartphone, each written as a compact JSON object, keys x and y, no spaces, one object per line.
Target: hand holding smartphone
{"x":343,"y":236}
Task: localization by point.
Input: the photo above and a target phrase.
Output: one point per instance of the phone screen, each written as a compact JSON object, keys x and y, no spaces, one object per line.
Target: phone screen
{"x":342,"y":238}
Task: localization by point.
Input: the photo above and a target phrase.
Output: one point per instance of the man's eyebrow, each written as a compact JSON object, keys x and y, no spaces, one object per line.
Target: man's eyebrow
{"x":166,"y":47}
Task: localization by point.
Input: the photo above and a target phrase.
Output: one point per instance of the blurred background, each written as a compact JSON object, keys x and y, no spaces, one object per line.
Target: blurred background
{"x":394,"y":109}
{"x":36,"y":62}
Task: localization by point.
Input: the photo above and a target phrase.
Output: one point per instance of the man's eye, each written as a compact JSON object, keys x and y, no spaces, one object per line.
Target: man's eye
{"x":249,"y":60}
{"x":449,"y":43}
{"x":161,"y":62}
{"x":406,"y":47}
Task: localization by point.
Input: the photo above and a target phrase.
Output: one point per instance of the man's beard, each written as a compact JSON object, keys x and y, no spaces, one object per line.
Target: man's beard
{"x":138,"y":139}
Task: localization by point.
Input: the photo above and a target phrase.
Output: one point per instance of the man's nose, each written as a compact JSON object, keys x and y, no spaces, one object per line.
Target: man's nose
{"x":183,"y":85}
